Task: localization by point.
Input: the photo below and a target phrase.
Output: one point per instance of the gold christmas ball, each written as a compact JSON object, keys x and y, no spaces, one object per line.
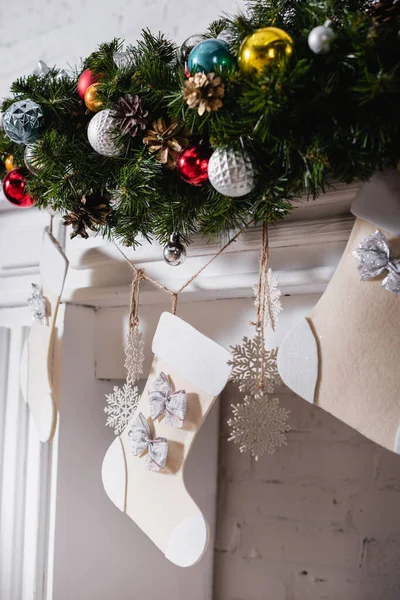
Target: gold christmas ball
{"x":91,"y":99}
{"x":264,"y":47}
{"x":9,"y":163}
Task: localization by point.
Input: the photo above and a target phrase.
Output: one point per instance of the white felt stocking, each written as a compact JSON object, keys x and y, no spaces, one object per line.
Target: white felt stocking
{"x":345,"y":355}
{"x":39,"y":388}
{"x":158,"y":501}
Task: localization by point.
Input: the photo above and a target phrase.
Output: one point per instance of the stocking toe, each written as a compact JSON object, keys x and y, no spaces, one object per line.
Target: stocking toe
{"x":298,"y":361}
{"x":113,"y":474}
{"x":188,"y":542}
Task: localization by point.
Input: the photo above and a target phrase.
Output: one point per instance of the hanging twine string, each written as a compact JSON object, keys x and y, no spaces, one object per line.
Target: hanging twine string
{"x":263,"y":299}
{"x":133,"y":315}
{"x":134,"y":309}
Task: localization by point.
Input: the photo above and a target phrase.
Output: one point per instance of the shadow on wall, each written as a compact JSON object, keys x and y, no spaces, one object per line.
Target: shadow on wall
{"x":317,"y":520}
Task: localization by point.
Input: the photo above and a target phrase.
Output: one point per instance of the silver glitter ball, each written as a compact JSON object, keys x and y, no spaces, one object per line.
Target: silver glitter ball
{"x":189,"y":44}
{"x":231,"y":172}
{"x":320,"y":39}
{"x":30,"y":160}
{"x":101,"y":134}
{"x":227,"y":36}
{"x":23,"y":121}
{"x":174,"y":252}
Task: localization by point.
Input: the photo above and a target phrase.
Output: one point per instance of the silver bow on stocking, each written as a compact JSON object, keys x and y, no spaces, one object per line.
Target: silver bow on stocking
{"x":161,"y":399}
{"x":374,"y":256}
{"x":37,"y":302}
{"x":157,"y":448}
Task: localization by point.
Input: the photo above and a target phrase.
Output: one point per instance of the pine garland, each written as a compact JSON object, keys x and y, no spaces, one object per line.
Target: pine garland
{"x":322,"y":118}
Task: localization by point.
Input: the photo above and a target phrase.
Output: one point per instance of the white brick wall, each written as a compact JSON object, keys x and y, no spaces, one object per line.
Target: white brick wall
{"x":319,"y":520}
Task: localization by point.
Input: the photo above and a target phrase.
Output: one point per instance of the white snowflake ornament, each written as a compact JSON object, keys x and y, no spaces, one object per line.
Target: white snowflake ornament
{"x":122,"y":403}
{"x":134,"y":355}
{"x":273,"y":299}
{"x":247,"y":366}
{"x":259,"y":425}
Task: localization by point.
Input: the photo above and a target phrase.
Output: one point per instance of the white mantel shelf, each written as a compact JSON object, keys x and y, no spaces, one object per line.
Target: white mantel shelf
{"x":304,"y":251}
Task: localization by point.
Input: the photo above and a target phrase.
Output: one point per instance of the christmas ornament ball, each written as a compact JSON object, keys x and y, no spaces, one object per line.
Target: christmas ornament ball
{"x":265,"y":47}
{"x":92,"y":101}
{"x":86,"y":79}
{"x":188,"y":46}
{"x":14,"y":188}
{"x":101,"y":134}
{"x":30,"y":159}
{"x":231,"y":172}
{"x":210,"y":56}
{"x":22,"y":121}
{"x":320,"y":39}
{"x":174,"y":252}
{"x":192,"y":164}
{"x":9,"y":163}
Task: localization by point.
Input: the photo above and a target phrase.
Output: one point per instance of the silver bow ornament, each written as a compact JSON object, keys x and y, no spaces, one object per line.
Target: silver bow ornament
{"x":163,"y":400}
{"x":374,"y":256}
{"x":37,"y":302}
{"x":141,"y":439}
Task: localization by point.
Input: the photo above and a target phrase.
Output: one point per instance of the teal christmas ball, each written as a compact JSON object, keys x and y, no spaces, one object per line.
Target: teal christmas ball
{"x":210,"y":56}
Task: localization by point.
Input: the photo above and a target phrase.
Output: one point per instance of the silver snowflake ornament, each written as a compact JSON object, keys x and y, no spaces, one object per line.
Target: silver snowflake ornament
{"x":121,"y":406}
{"x":37,"y":302}
{"x":253,"y":366}
{"x":134,"y":355}
{"x":259,"y":425}
{"x":273,"y":299}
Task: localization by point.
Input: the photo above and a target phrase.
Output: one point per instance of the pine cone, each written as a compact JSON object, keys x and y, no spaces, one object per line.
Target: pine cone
{"x":130,"y":115}
{"x":204,"y":91}
{"x":384,"y":12}
{"x":91,"y":212}
{"x":168,"y":142}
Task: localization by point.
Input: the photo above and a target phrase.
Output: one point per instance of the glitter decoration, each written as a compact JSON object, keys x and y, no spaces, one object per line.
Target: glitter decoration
{"x":22,"y":121}
{"x":259,"y":425}
{"x":134,"y":355}
{"x":121,"y":405}
{"x":164,"y":402}
{"x":142,"y":441}
{"x":247,"y":366}
{"x":273,"y":299}
{"x":374,"y":256}
{"x":101,"y":134}
{"x":231,"y":172}
{"x":37,"y":302}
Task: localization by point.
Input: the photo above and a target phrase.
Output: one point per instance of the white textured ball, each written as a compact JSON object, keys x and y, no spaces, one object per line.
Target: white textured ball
{"x":231,"y":172}
{"x":320,"y":39}
{"x":100,"y":134}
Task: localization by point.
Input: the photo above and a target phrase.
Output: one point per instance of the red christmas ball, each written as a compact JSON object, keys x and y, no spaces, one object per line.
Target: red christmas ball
{"x":14,"y":188}
{"x":192,"y":164}
{"x":86,"y":79}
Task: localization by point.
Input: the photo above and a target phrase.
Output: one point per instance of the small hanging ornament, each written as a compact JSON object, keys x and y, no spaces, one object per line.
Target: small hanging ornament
{"x":210,"y":56}
{"x":204,"y":92}
{"x":91,"y":212}
{"x":174,"y":252}
{"x":92,"y":101}
{"x":188,"y":46}
{"x":86,"y":79}
{"x":101,"y":132}
{"x":14,"y":188}
{"x":130,"y":116}
{"x":134,"y":349}
{"x":23,"y":121}
{"x":30,"y":159}
{"x":231,"y":172}
{"x":268,"y":46}
{"x":320,"y":38}
{"x":9,"y":163}
{"x":168,"y":142}
{"x":192,"y":164}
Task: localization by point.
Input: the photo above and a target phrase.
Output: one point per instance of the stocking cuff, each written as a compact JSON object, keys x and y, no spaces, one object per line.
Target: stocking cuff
{"x":378,"y":201}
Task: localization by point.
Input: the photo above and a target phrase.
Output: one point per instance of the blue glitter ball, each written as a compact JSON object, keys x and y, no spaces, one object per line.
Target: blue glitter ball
{"x":210,"y":56}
